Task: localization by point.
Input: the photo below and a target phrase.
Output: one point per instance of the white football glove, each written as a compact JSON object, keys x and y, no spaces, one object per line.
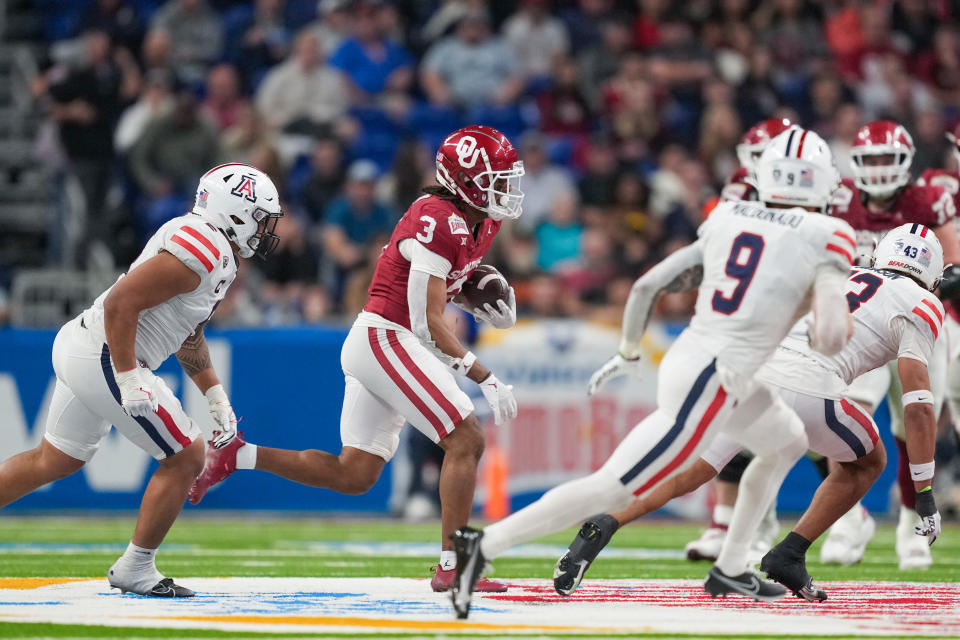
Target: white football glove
{"x":136,"y":395}
{"x":613,"y":368}
{"x":929,"y":517}
{"x":500,"y":398}
{"x":503,"y":317}
{"x":222,"y":414}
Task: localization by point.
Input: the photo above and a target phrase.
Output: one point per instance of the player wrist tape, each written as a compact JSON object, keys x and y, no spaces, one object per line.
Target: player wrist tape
{"x":923,"y":471}
{"x":924,"y":396}
{"x":926,"y":505}
{"x":462,"y":365}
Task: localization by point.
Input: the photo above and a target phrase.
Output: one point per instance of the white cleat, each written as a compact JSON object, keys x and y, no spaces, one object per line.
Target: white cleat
{"x":848,"y":537}
{"x":707,"y":546}
{"x":913,"y":551}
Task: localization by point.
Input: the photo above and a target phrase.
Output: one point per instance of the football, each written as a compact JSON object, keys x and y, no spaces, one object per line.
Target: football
{"x":485,"y":285}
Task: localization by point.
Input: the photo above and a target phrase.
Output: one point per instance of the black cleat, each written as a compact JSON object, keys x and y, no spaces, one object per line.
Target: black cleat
{"x":746,"y":584}
{"x":791,"y":571}
{"x":166,"y":588}
{"x":593,"y":536}
{"x":470,"y":564}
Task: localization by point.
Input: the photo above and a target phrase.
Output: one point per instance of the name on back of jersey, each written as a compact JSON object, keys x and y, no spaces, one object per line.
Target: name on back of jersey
{"x":783,"y":217}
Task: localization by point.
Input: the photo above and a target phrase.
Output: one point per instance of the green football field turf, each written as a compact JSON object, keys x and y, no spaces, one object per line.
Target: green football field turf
{"x":265,"y":546}
{"x":252,"y":546}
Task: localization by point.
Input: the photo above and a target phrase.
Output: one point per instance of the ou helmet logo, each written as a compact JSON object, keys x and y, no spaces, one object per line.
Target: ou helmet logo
{"x":467,"y":152}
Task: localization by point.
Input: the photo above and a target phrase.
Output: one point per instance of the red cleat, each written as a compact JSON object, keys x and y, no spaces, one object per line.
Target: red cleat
{"x":217,"y":465}
{"x":443,"y":579}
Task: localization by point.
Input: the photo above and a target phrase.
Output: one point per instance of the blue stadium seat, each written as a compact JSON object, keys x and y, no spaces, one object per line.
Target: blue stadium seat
{"x":508,"y":119}
{"x":378,"y":138}
{"x":432,"y":123}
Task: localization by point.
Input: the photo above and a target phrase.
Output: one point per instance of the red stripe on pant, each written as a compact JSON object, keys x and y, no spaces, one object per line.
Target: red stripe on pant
{"x":402,"y":384}
{"x":854,"y":412}
{"x":394,"y":341}
{"x":172,"y":427}
{"x":692,"y":443}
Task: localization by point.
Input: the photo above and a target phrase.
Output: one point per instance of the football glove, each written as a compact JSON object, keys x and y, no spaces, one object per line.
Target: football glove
{"x":950,"y":284}
{"x":223,"y":416}
{"x":136,"y":395}
{"x":613,"y":368}
{"x":503,"y":317}
{"x":500,"y":398}
{"x":929,"y":517}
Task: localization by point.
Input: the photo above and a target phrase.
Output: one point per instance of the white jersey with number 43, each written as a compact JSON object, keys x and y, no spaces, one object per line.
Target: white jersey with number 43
{"x":759,"y":268}
{"x":893,"y":317}
{"x":163,"y":328}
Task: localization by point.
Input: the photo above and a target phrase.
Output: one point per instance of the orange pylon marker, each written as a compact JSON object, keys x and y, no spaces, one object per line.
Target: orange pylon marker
{"x":495,"y":479}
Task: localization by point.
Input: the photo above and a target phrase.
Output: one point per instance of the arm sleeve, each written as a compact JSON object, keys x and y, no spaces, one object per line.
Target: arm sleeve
{"x":681,"y":271}
{"x":830,"y":309}
{"x":915,"y":342}
{"x":423,"y":264}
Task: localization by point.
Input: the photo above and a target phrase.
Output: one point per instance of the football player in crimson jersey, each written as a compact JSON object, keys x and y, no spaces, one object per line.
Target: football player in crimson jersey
{"x":400,"y":358}
{"x":104,"y":361}
{"x":741,"y":185}
{"x":879,"y":198}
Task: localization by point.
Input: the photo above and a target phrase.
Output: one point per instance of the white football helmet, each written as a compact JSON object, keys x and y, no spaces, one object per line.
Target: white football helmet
{"x":243,"y":202}
{"x":797,"y":168}
{"x":914,"y":250}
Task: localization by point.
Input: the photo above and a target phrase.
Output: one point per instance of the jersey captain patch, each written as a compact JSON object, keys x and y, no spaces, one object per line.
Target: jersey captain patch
{"x":458,"y":225}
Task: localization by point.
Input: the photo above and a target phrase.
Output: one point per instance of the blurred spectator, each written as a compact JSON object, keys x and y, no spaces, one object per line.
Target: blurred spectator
{"x":932,"y":146}
{"x":156,"y":52}
{"x":680,"y":59}
{"x":536,"y":38}
{"x":794,"y":35}
{"x":156,"y":99}
{"x":630,"y":100}
{"x":758,"y":96}
{"x":558,"y":237}
{"x":472,"y":67}
{"x":646,"y":27}
{"x":596,"y":183}
{"x":940,"y":67}
{"x":585,"y":22}
{"x":196,"y":36}
{"x":266,"y":39}
{"x":117,"y":19}
{"x":546,"y":298}
{"x":355,"y":221}
{"x":241,"y":142}
{"x":914,"y":23}
{"x":413,"y":168}
{"x":303,"y":95}
{"x":847,"y":122}
{"x":827,"y":94}
{"x":720,"y":131}
{"x":326,"y":178}
{"x":86,"y":102}
{"x":599,"y":62}
{"x":543,"y":183}
{"x":290,"y":278}
{"x":168,"y":160}
{"x":332,"y":25}
{"x":585,"y":278}
{"x":224,"y":102}
{"x":373,"y":61}
{"x":875,"y":44}
{"x":563,"y":108}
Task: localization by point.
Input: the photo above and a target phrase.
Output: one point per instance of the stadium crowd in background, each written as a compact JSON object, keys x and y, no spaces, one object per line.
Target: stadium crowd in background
{"x":626,"y":115}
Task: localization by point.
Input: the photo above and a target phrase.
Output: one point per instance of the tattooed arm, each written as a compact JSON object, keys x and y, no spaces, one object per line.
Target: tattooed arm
{"x":681,"y":271}
{"x":194,"y":357}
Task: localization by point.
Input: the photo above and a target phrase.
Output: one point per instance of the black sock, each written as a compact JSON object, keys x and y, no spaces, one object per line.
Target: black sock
{"x":795,"y":544}
{"x":823,"y":467}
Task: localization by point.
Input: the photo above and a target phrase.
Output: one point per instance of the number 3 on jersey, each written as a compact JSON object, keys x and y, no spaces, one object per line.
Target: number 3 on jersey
{"x":870,"y":284}
{"x":741,"y":266}
{"x":426,"y":235}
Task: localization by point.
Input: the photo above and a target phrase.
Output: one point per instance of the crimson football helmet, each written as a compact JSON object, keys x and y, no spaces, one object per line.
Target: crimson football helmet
{"x":881,"y":157}
{"x":479,"y":164}
{"x":756,"y":139}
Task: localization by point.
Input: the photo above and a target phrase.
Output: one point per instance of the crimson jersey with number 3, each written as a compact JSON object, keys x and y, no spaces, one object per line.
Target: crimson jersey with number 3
{"x":439,"y":226}
{"x":920,"y":203}
{"x":759,"y":267}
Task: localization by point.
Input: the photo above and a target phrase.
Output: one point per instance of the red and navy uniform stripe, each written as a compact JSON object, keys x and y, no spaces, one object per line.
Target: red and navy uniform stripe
{"x":678,"y":426}
{"x":919,"y":229}
{"x":845,"y":433}
{"x":143,"y":421}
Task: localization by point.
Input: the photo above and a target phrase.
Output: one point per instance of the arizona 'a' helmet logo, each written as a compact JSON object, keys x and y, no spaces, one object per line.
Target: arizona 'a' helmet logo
{"x":246,"y":188}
